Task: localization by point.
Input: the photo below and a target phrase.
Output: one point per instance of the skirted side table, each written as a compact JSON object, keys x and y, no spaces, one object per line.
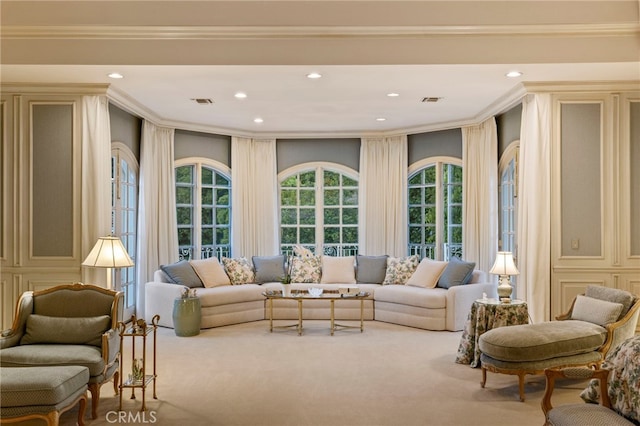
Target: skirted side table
{"x":486,"y":314}
{"x":187,"y":316}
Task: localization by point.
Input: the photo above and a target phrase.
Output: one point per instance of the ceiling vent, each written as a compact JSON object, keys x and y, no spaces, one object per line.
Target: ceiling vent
{"x":430,"y":99}
{"x":202,"y":101}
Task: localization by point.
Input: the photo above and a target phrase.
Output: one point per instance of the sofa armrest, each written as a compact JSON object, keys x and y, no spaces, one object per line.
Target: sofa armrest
{"x":459,"y":301}
{"x":110,"y":347}
{"x":159,"y":299}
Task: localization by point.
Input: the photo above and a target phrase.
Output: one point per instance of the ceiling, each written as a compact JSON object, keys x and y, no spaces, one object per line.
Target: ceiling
{"x":175,"y":58}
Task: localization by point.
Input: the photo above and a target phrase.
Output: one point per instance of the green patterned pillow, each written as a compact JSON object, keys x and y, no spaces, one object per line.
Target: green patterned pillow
{"x":400,"y":269}
{"x":306,"y":269}
{"x":239,"y":270}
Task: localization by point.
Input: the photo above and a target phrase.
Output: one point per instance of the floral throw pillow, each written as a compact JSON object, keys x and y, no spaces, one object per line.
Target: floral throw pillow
{"x":239,"y":270}
{"x":400,"y":269}
{"x":306,"y":269}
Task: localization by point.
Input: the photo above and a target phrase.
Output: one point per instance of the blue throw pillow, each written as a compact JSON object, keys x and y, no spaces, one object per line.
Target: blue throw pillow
{"x":457,"y":272}
{"x":182,"y":273}
{"x":268,"y":268}
{"x":371,"y":269}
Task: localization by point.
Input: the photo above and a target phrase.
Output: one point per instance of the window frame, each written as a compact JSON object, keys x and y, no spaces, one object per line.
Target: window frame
{"x":222,"y":169}
{"x":319,"y":167}
{"x":440,"y":251}
{"x":510,"y":154}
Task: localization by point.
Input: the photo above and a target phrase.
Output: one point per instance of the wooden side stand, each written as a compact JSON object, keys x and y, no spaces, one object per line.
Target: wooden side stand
{"x":138,"y":329}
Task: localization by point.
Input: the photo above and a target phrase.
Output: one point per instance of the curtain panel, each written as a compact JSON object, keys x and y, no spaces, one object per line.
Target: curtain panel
{"x":96,"y":180}
{"x":383,"y":196}
{"x":157,"y":227}
{"x":534,"y":206}
{"x":480,"y":193}
{"x":254,"y":195}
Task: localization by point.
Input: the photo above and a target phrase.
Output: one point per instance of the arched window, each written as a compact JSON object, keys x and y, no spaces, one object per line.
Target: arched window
{"x":203,"y":208}
{"x":319,"y":209}
{"x":124,"y":217}
{"x":435,"y":209}
{"x":508,"y":171}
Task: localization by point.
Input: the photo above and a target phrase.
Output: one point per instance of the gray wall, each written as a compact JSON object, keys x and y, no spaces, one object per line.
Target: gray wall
{"x":508,"y":125}
{"x":291,"y":152}
{"x":125,"y":128}
{"x":432,"y":144}
{"x":581,"y":172}
{"x":196,"y":144}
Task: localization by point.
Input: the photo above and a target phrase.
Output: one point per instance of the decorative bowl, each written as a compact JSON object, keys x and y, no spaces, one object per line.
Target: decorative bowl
{"x":315,"y":291}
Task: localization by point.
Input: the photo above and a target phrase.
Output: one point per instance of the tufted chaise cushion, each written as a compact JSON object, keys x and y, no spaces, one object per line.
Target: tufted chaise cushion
{"x":536,"y":342}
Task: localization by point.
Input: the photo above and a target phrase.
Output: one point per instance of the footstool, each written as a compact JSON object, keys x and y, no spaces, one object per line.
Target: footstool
{"x":531,"y":348}
{"x":42,"y":393}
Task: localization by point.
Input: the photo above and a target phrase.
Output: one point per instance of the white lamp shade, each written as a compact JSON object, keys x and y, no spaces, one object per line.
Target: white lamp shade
{"x":504,"y":264}
{"x":108,"y":253}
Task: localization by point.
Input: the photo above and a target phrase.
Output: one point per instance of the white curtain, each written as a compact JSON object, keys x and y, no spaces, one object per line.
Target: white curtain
{"x":254,"y":194}
{"x":157,"y":227}
{"x":534,"y":206}
{"x":383,"y":196}
{"x":96,"y":180}
{"x":480,"y":193}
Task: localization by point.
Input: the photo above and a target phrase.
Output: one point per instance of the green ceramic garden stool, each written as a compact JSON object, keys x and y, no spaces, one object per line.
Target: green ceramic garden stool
{"x":186,"y":316}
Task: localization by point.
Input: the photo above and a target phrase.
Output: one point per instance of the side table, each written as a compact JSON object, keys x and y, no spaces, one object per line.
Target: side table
{"x":486,"y":314}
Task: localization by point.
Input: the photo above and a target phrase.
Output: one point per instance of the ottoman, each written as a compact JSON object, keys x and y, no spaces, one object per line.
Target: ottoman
{"x":531,"y":348}
{"x":42,"y":393}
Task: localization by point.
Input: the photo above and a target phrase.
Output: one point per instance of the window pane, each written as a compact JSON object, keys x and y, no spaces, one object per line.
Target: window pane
{"x":307,"y":216}
{"x":308,"y":179}
{"x":350,"y":197}
{"x":307,"y":236}
{"x":416,"y":179}
{"x":184,"y":174}
{"x":288,"y":197}
{"x":331,"y":235}
{"x":184,"y":236}
{"x":350,"y":216}
{"x":290,"y":182}
{"x":331,"y":216}
{"x":221,"y":180}
{"x":331,"y":178}
{"x":222,"y":216}
{"x":456,"y":215}
{"x":207,"y":236}
{"x":349,"y":235}
{"x":289,"y":236}
{"x":347,"y":181}
{"x":415,"y":195}
{"x":222,"y":236}
{"x":183,"y":195}
{"x":415,"y":215}
{"x":331,"y":197}
{"x":184,"y":215}
{"x":207,"y":216}
{"x":430,"y":195}
{"x":430,"y":175}
{"x":430,"y":234}
{"x":415,"y":235}
{"x":207,"y":176}
{"x":207,"y":196}
{"x":307,"y":197}
{"x":222,"y":197}
{"x":430,"y":215}
{"x":288,"y":216}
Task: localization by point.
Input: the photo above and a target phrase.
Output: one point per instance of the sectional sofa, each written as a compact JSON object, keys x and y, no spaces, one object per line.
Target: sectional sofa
{"x":424,"y":294}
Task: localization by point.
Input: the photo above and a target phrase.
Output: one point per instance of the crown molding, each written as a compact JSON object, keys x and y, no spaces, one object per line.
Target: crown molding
{"x":283,"y":32}
{"x":55,"y":88}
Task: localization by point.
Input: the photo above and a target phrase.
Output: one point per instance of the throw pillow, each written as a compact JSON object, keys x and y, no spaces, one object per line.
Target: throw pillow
{"x":65,"y":330}
{"x":268,"y":268}
{"x":211,"y":272}
{"x":457,"y":272}
{"x":595,"y":311}
{"x":301,"y":251}
{"x":611,"y":295}
{"x":371,"y":269}
{"x":239,"y":270}
{"x":182,"y":273}
{"x":400,"y":269}
{"x":427,"y":273}
{"x":338,"y":270}
{"x":305,"y":269}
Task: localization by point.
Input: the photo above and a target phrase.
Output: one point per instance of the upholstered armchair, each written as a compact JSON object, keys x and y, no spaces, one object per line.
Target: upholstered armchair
{"x":71,"y":324}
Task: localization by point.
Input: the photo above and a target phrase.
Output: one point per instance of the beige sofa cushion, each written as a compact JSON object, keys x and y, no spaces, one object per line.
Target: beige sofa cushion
{"x":225,"y":295}
{"x":338,"y":270}
{"x":435,"y":298}
{"x":536,"y":342}
{"x":211,"y":272}
{"x":427,"y":273}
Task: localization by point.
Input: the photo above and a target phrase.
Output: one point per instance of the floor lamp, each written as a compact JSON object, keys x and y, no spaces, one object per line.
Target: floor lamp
{"x":109,"y":252}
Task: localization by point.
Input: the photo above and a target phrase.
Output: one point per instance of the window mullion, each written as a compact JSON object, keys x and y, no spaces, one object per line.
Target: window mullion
{"x":197,"y":211}
{"x":319,"y":211}
{"x":439,"y":213}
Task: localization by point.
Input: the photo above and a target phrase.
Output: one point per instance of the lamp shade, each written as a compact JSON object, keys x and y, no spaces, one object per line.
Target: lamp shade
{"x":504,"y":264}
{"x":108,"y":253}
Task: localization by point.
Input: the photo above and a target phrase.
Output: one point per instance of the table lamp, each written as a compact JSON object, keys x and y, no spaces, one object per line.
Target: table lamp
{"x":504,"y":268}
{"x":109,"y":252}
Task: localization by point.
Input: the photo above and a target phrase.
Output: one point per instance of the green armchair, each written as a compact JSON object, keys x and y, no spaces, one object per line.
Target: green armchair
{"x":72,"y":324}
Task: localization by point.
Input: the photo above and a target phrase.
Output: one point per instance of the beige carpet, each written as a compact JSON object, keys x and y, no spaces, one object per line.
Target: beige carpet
{"x":388,"y":375}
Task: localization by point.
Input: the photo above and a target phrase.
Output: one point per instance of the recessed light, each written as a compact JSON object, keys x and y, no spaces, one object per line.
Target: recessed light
{"x":314,"y":75}
{"x":381,"y":119}
{"x":258,"y":120}
{"x":240,"y":95}
{"x":115,"y":75}
{"x":393,"y":95}
{"x":513,"y":74}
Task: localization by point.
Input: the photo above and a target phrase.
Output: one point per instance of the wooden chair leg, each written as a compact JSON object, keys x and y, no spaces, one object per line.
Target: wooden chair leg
{"x":81,"y":409}
{"x":116,"y":378}
{"x":484,"y":377}
{"x":94,"y":388}
{"x":521,"y":385}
